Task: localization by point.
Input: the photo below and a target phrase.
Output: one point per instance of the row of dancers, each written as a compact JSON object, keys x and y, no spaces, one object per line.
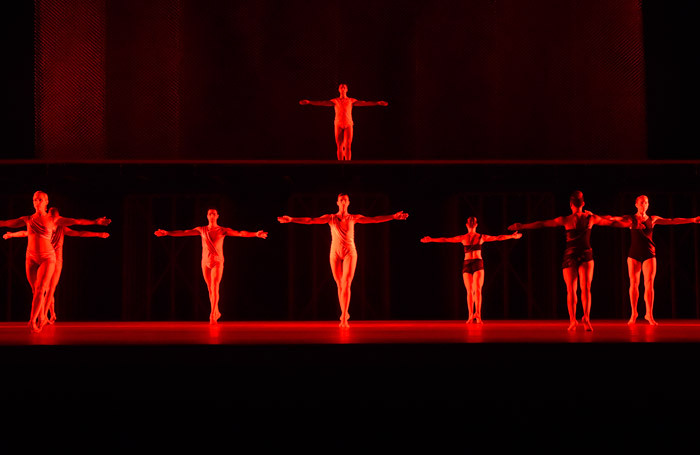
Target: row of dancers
{"x":46,"y":228}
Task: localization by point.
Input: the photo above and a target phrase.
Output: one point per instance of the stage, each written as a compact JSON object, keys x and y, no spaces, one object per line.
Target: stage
{"x":534,"y":376}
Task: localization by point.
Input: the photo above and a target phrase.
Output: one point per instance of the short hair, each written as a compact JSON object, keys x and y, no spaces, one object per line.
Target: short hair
{"x":342,"y":194}
{"x":576,"y":199}
{"x":639,"y":197}
{"x":472,"y":220}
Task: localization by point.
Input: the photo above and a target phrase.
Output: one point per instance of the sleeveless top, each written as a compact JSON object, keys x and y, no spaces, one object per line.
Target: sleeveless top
{"x":473,"y":247}
{"x":641,"y":244}
{"x":342,"y":234}
{"x":209,"y":251}
{"x":579,"y":238}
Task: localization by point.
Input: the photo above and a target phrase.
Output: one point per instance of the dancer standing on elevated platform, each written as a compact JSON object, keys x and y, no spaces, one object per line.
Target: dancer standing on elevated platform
{"x":343,"y":119}
{"x":343,"y":254}
{"x":41,"y":255}
{"x":577,"y":266}
{"x":57,"y":242}
{"x":641,"y":258}
{"x":473,"y":266}
{"x":213,"y":237}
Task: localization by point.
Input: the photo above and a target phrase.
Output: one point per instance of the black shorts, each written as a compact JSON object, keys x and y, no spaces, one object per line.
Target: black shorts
{"x":472,"y":265}
{"x":576,"y":258}
{"x":641,"y":257}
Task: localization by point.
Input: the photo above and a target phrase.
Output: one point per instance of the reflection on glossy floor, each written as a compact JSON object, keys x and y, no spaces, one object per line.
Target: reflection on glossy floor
{"x":360,"y":332}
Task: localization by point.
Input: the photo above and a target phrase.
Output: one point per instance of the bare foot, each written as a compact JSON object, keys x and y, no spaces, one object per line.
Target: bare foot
{"x":572,"y":324}
{"x":470,"y":320}
{"x":587,"y":324}
{"x":651,"y":320}
{"x":477,"y":320}
{"x":633,"y":318}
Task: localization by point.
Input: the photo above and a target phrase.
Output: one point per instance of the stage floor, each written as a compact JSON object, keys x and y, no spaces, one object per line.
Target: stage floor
{"x":393,"y":379}
{"x":360,"y":332}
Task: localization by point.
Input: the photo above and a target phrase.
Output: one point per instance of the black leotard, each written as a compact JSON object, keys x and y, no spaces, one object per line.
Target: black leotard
{"x":578,"y":244}
{"x":642,"y":246}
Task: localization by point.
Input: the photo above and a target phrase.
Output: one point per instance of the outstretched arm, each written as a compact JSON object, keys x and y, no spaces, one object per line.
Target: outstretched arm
{"x":70,"y":232}
{"x":304,"y":220}
{"x":498,"y":238}
{"x":316,"y":103}
{"x":456,"y":239}
{"x":11,"y":235}
{"x":360,"y":103}
{"x":16,"y":223}
{"x":185,"y":233}
{"x":63,"y":221}
{"x":556,"y":222}
{"x":234,"y":233}
{"x":381,"y":218}
{"x":674,"y":221}
{"x":624,"y":221}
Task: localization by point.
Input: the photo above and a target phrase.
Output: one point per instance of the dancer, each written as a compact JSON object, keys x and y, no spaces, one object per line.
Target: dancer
{"x":578,"y":257}
{"x":641,"y":258}
{"x":41,"y":255}
{"x":473,"y":266}
{"x":343,"y":118}
{"x":212,"y":254}
{"x":343,"y":254}
{"x":57,"y":242}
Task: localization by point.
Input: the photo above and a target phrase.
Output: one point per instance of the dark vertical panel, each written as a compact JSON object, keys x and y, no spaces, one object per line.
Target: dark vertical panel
{"x":69,"y":79}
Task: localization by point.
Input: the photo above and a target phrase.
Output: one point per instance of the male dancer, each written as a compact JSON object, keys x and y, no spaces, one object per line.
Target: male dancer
{"x":212,"y":254}
{"x":343,"y":118}
{"x":343,"y":254}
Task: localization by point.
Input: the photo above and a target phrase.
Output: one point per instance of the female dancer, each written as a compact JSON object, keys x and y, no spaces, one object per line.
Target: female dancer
{"x":41,"y":255}
{"x":578,"y":257}
{"x":343,"y":118}
{"x":57,"y":242}
{"x":473,"y":267}
{"x":343,"y":255}
{"x":642,"y":253}
{"x":213,"y":237}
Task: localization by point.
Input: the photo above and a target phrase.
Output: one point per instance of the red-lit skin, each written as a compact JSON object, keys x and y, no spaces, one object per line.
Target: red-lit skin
{"x":343,"y":119}
{"x":212,"y":272}
{"x":342,"y":263}
{"x":473,"y":282}
{"x":648,"y":267}
{"x":39,"y":275}
{"x":574,"y":278}
{"x":50,"y":299}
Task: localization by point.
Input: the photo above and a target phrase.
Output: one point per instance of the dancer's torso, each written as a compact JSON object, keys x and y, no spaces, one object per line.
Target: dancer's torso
{"x":343,"y":111}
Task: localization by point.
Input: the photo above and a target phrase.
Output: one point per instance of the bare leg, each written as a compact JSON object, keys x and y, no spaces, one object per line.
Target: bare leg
{"x":337,"y":271}
{"x":339,"y":142}
{"x":212,"y":276}
{"x":349,"y":265}
{"x":571,"y":280}
{"x":50,"y":300}
{"x":585,"y":273}
{"x":343,"y":274}
{"x":40,"y":288}
{"x":348,"y":142}
{"x":467,"y":277}
{"x":31,"y":268}
{"x":649,"y":270}
{"x":634,"y":267}
{"x":477,"y":285}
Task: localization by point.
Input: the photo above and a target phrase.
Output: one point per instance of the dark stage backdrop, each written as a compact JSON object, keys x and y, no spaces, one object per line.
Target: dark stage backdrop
{"x":220,"y":79}
{"x":134,"y":275}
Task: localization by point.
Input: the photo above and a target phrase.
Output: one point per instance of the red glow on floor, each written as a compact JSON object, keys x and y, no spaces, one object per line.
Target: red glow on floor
{"x":360,"y":332}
